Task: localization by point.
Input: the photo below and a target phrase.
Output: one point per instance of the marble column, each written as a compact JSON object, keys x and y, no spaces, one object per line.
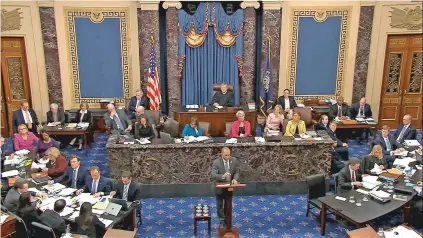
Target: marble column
{"x":363,"y":51}
{"x":148,"y":25}
{"x":249,"y":53}
{"x":272,"y":21}
{"x":173,"y":82}
{"x":51,"y":53}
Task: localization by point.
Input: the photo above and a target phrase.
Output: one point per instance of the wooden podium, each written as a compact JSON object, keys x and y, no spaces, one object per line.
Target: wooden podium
{"x":229,"y":232}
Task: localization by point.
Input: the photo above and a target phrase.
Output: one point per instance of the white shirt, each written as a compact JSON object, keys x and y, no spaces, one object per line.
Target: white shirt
{"x":287,"y":106}
{"x":82,"y":115}
{"x":124,"y":186}
{"x":352,"y":172}
{"x":24,"y":116}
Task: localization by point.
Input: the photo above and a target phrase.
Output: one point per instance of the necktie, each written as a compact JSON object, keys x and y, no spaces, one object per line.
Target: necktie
{"x":28,"y":120}
{"x":118,"y":122}
{"x":94,"y":188}
{"x":388,"y":145}
{"x":138,"y":103}
{"x":74,"y":179}
{"x":402,"y":133}
{"x":353,"y":176}
{"x":125,"y":192}
{"x":226,"y":165}
{"x":55,"y":117}
{"x":339,"y":111}
{"x":82,"y":116}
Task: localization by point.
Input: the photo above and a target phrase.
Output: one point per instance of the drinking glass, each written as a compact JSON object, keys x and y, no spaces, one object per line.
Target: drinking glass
{"x":380,"y":232}
{"x":358,"y":203}
{"x":365,"y":198}
{"x":352,"y":199}
{"x":391,"y":185}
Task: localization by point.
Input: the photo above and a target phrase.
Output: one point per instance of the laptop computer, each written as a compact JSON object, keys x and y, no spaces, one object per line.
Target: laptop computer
{"x":121,"y":202}
{"x":113,"y":209}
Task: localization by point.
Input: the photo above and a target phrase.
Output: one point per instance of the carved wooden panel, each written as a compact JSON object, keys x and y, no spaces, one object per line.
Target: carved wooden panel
{"x":416,"y":77}
{"x":414,"y":111}
{"x":16,"y":79}
{"x":394,"y":72}
{"x":389,"y":113}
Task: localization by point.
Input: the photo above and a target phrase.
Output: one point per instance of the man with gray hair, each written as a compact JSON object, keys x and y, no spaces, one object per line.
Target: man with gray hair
{"x":55,"y":115}
{"x":405,"y":130}
{"x":117,"y":121}
{"x":348,"y":177}
{"x":136,"y":101}
{"x":224,"y":98}
{"x":12,"y":198}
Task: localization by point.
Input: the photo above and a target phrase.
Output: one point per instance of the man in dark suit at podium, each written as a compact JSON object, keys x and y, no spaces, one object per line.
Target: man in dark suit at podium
{"x":225,"y":169}
{"x":223,"y":98}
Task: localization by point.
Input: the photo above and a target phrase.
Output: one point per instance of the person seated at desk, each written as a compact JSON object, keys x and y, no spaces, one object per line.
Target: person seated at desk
{"x":240,"y":127}
{"x":375,"y":157}
{"x":83,"y":115}
{"x":45,"y":143}
{"x":340,"y":151}
{"x":275,"y":120}
{"x":117,"y":121}
{"x":296,"y":126}
{"x":95,"y":184}
{"x":57,"y":164}
{"x":11,"y":200}
{"x":27,"y":212}
{"x":389,"y":145}
{"x":348,"y":177}
{"x":323,"y":123}
{"x":223,"y":98}
{"x":339,"y":110}
{"x":88,"y":223}
{"x":53,"y":219}
{"x":75,"y":174}
{"x":55,"y":115}
{"x":417,"y":207}
{"x":26,"y":116}
{"x":143,"y":129}
{"x":360,"y":110}
{"x":405,"y":130}
{"x":24,"y":140}
{"x":287,"y":102}
{"x":192,"y":128}
{"x":136,"y":101}
{"x":141,"y":111}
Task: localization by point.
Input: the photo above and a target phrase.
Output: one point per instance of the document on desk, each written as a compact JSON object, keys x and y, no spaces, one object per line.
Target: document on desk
{"x":402,"y":153}
{"x":11,"y":161}
{"x":401,"y":232}
{"x":381,"y":194}
{"x":412,"y":142}
{"x":10,"y":173}
{"x":404,"y":161}
{"x":362,"y":191}
{"x":54,"y":187}
{"x":66,"y":211}
{"x":87,"y":197}
{"x":3,"y":218}
{"x":376,"y":169}
{"x":21,"y":152}
{"x":106,"y":222}
{"x":35,"y":190}
{"x":370,"y":182}
{"x":67,"y":191}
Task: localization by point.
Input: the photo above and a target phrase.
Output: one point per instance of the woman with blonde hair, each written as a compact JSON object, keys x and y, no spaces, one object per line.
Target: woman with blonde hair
{"x":57,"y":164}
{"x":275,"y":119}
{"x":375,"y":157}
{"x":296,"y":126}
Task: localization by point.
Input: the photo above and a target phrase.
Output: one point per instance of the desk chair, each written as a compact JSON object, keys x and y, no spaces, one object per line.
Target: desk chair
{"x":171,"y":127}
{"x":40,"y":230}
{"x":316,"y":187}
{"x":336,"y":182}
{"x":205,"y":128}
{"x":21,"y":230}
{"x":306,"y":116}
{"x":216,"y":87}
{"x":228,"y":126}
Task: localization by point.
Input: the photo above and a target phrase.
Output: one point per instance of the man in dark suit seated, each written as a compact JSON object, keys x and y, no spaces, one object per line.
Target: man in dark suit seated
{"x":55,"y":115}
{"x":26,"y":116}
{"x":11,"y":201}
{"x":225,"y":169}
{"x":348,"y":177}
{"x":389,"y":145}
{"x":360,"y":110}
{"x":340,"y":151}
{"x":138,"y":100}
{"x":405,"y":130}
{"x":95,"y":184}
{"x":53,"y":219}
{"x":417,"y":207}
{"x":339,"y":110}
{"x":287,"y":102}
{"x":223,"y":98}
{"x":75,"y":175}
{"x":117,"y":121}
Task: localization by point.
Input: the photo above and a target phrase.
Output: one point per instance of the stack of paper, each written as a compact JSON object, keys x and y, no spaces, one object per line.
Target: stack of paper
{"x":402,"y":153}
{"x":51,"y":124}
{"x":369,"y":181}
{"x":376,"y":169}
{"x":22,"y":152}
{"x":11,"y":161}
{"x":34,"y":165}
{"x":106,"y":222}
{"x":401,"y":232}
{"x":143,"y":141}
{"x":71,"y":125}
{"x":83,"y":124}
{"x":86,"y":197}
{"x":66,"y":211}
{"x":404,"y":161}
{"x":201,"y":138}
{"x":35,"y":190}
{"x":412,"y":142}
{"x":54,"y":187}
{"x":231,"y":141}
{"x":67,"y":191}
{"x":259,"y":139}
{"x":10,"y":173}
{"x":381,"y":194}
{"x":3,"y":218}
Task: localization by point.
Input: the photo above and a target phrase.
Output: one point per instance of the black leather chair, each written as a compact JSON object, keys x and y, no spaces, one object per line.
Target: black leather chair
{"x":335,"y":179}
{"x":316,"y":187}
{"x":40,"y":230}
{"x":21,"y":229}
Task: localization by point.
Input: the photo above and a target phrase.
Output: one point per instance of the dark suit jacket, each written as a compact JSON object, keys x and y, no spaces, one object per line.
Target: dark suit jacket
{"x":86,"y":118}
{"x":409,"y":134}
{"x":68,"y":176}
{"x":355,"y":108}
{"x":18,"y":119}
{"x":111,"y":123}
{"x":134,"y":192}
{"x":29,"y":214}
{"x":11,"y":200}
{"x":60,"y":116}
{"x":51,"y":219}
{"x":91,"y":231}
{"x":141,"y":132}
{"x":103,"y":185}
{"x":369,"y":161}
{"x":381,"y":141}
{"x":144,"y":101}
{"x":281,"y":101}
{"x":344,"y":178}
{"x":333,"y":111}
{"x":218,"y":97}
{"x":218,"y":170}
{"x":321,"y":127}
{"x":332,"y":135}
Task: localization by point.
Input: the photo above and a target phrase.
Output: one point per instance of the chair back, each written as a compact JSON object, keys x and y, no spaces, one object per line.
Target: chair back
{"x":311,"y":102}
{"x":67,"y":116}
{"x":155,"y":115}
{"x":284,"y":124}
{"x":306,"y":115}
{"x":371,"y":144}
{"x":21,"y":229}
{"x":335,"y":180}
{"x":316,"y":186}
{"x":205,"y":127}
{"x":40,"y":230}
{"x":228,"y":126}
{"x":171,"y":127}
{"x":216,"y":87}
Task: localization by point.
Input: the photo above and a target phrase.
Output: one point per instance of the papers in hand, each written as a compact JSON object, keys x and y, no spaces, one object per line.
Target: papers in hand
{"x":404,"y":161}
{"x":376,"y":170}
{"x":412,"y":142}
{"x":54,"y":187}
{"x":9,"y":173}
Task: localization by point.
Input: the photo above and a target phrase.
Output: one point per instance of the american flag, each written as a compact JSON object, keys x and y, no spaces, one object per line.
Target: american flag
{"x":153,"y":83}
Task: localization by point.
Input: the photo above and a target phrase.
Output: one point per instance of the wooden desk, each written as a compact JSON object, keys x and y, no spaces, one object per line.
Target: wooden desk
{"x":367,"y":232}
{"x":12,"y":180}
{"x":8,"y":227}
{"x":63,"y":130}
{"x":353,"y":124}
{"x":115,"y":233}
{"x":217,"y":119}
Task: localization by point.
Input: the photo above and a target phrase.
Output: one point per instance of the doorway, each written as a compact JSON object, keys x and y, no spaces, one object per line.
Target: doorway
{"x":402,"y":81}
{"x":14,"y":79}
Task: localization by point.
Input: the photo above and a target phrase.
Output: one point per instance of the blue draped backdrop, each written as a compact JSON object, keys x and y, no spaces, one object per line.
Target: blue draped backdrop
{"x":210,"y":51}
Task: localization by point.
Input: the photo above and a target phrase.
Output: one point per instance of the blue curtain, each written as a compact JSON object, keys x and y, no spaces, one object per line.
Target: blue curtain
{"x":205,"y":60}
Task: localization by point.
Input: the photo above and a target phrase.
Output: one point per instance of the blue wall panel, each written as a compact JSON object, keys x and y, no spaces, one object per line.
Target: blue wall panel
{"x":99,"y":58}
{"x":317,"y":56}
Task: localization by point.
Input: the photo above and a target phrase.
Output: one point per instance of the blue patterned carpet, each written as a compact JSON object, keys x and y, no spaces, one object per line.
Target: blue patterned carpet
{"x":254,"y":216}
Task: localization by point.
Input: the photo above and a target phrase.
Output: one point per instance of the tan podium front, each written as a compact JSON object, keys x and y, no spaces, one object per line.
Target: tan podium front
{"x":229,"y":232}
